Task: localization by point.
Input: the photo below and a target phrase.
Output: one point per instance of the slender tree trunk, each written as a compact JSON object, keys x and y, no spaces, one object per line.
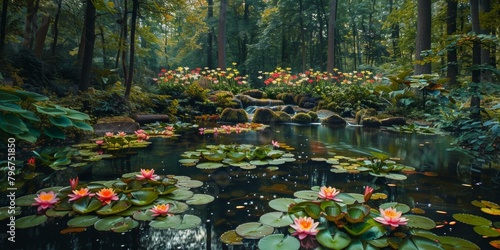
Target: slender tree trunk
{"x":331,"y":36}
{"x":103,"y":46}
{"x":475,"y":103}
{"x":3,"y":26}
{"x":451,"y":28}
{"x":55,"y":30}
{"x":423,"y":36}
{"x":135,"y":9}
{"x":244,"y":49}
{"x":125,"y":39}
{"x":30,"y":26}
{"x":41,"y":35}
{"x":396,"y":53}
{"x":302,"y":36}
{"x":88,"y":51}
{"x":485,"y":7}
{"x":221,"y":39}
{"x":321,"y":14}
{"x":210,"y":16}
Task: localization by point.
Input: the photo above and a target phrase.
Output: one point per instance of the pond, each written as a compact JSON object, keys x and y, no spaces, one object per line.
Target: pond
{"x":443,"y":183}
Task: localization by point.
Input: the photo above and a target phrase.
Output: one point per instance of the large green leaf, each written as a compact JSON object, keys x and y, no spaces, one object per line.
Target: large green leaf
{"x":114,"y":208}
{"x":472,"y":219}
{"x":30,"y":116}
{"x":30,"y":221}
{"x":83,"y":221}
{"x":15,"y":121}
{"x":109,"y":223}
{"x":83,"y":126}
{"x":75,"y":115}
{"x":189,"y":221}
{"x":276,"y":219}
{"x":200,"y":199}
{"x":254,"y":230}
{"x":6,"y":97}
{"x":60,"y":121}
{"x":281,"y":204}
{"x":279,"y":242}
{"x":419,"y":243}
{"x":417,"y":221}
{"x":52,"y":111}
{"x":339,"y":240}
{"x":143,"y":197}
{"x":11,"y":107}
{"x":54,"y":132}
{"x":86,"y":205}
{"x":166,"y":222}
{"x":31,"y":96}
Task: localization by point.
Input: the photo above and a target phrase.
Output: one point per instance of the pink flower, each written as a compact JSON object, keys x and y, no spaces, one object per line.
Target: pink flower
{"x":107,"y":195}
{"x":169,"y":128}
{"x":328,"y":193}
{"x":99,"y":142}
{"x":238,"y":129}
{"x":109,"y":133}
{"x":73,"y":183}
{"x":31,"y":161}
{"x":368,"y":193}
{"x":147,"y":174}
{"x":202,"y":131}
{"x":391,"y":217}
{"x":275,"y":143}
{"x":45,"y":200}
{"x":77,"y":194}
{"x":122,"y":134}
{"x":160,"y":210}
{"x":304,"y":226}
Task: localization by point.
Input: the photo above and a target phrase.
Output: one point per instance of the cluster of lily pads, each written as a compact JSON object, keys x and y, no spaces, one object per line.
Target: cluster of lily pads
{"x":245,"y":156}
{"x":326,"y":217}
{"x":481,"y":225}
{"x":228,"y":129}
{"x":117,"y":205}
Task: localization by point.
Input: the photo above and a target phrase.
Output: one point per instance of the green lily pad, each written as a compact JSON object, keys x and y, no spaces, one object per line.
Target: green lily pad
{"x":231,"y":238}
{"x":306,"y":194}
{"x":190,"y":183}
{"x":276,"y":219}
{"x":143,"y":197}
{"x":30,"y":221}
{"x":486,"y":231}
{"x":166,"y":222}
{"x":279,"y":242}
{"x":401,"y":207}
{"x":177,"y":207}
{"x":259,"y":162}
{"x":254,"y":230}
{"x":417,"y":221}
{"x":209,"y":165}
{"x":86,"y":205}
{"x":26,"y":201}
{"x":457,"y":243}
{"x":281,"y":204}
{"x":188,"y":162}
{"x":398,"y":177}
{"x":417,"y":242}
{"x":200,"y":199}
{"x":54,"y":213}
{"x":7,"y":212}
{"x":248,"y":166}
{"x":287,"y":159}
{"x":276,"y":162}
{"x":180,"y":195}
{"x":108,"y":223}
{"x":114,"y":208}
{"x":339,"y":240}
{"x":143,"y":215}
{"x":472,"y":219}
{"x":189,"y":221}
{"x":83,"y":221}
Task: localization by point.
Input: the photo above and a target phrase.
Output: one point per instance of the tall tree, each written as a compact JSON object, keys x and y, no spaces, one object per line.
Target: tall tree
{"x":88,"y":47}
{"x":210,"y":35}
{"x":423,"y":43}
{"x":476,"y":58}
{"x":331,"y":36}
{"x":30,"y":24}
{"x":55,"y":29}
{"x":3,"y":26}
{"x":451,"y":28}
{"x":41,"y":35}
{"x":485,"y":7}
{"x":221,"y":38}
{"x":394,"y":34}
{"x":135,"y":10}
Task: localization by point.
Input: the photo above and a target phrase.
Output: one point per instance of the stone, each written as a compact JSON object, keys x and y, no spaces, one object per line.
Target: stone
{"x":282,"y":117}
{"x":334,"y":120}
{"x":234,"y":115}
{"x":390,"y":121}
{"x":301,"y":118}
{"x":364,"y":113}
{"x":288,"y":109}
{"x":255,"y":93}
{"x":115,"y":124}
{"x":371,"y":122}
{"x":151,"y":118}
{"x":264,"y":115}
{"x":247,"y":100}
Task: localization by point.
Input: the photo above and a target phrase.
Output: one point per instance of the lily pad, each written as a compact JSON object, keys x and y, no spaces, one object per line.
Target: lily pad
{"x":86,"y":205}
{"x":108,"y":223}
{"x":472,"y":219}
{"x":189,"y":221}
{"x":457,"y":243}
{"x":180,"y":195}
{"x":200,"y":199}
{"x":276,"y":219}
{"x":83,"y":221}
{"x":114,"y":208}
{"x":231,"y":238}
{"x":143,"y":197}
{"x":398,"y":177}
{"x":417,"y":221}
{"x":279,"y":242}
{"x":403,"y":208}
{"x":26,"y":201}
{"x":306,"y":194}
{"x":30,"y":221}
{"x":190,"y":183}
{"x":166,"y":222}
{"x":6,"y":212}
{"x":209,"y":165}
{"x":281,"y":204}
{"x":259,"y":162}
{"x":54,"y":213}
{"x":486,"y":231}
{"x":143,"y":215}
{"x":254,"y":230}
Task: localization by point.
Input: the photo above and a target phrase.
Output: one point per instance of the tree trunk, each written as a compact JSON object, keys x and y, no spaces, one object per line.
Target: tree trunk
{"x":302,"y":37}
{"x":485,"y":7}
{"x":210,"y":16}
{"x":475,"y":103}
{"x":331,"y":36}
{"x":103,"y":46}
{"x":30,"y":26}
{"x":221,"y":39}
{"x":320,"y":54}
{"x":451,"y":28}
{"x":124,"y":44}
{"x":394,"y":34}
{"x":424,"y":17}
{"x":88,"y":51}
{"x":41,"y":35}
{"x":135,"y":9}
{"x":55,"y":30}
{"x":3,"y":27}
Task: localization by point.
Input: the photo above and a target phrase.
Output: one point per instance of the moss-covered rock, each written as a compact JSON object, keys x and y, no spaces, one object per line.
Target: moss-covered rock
{"x":334,"y":120}
{"x":371,"y":121}
{"x":247,"y":100}
{"x":390,"y":121}
{"x":282,"y":117}
{"x":287,"y":98}
{"x":313,"y":115}
{"x":288,"y":109}
{"x":302,"y":118}
{"x":255,"y":93}
{"x":363,"y":113}
{"x":115,"y":124}
{"x":234,"y":115}
{"x":264,"y":115}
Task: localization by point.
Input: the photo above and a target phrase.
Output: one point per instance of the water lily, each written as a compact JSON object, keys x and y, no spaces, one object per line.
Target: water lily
{"x":122,"y":134}
{"x":73,"y":183}
{"x":107,"y":195}
{"x":147,"y":174}
{"x":304,"y":226}
{"x":328,"y":193}
{"x":45,"y":200}
{"x":99,"y":142}
{"x":77,"y":194}
{"x":368,"y":193}
{"x":31,"y":161}
{"x":109,"y":134}
{"x":391,"y":217}
{"x":275,"y":143}
{"x":202,"y":131}
{"x":160,"y":210}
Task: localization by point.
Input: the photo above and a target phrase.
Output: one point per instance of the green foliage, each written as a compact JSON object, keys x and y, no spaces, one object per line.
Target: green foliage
{"x":27,"y":116}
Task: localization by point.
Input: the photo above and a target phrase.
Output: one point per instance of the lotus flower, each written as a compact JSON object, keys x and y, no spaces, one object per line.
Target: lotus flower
{"x":328,"y":193}
{"x":77,"y":194}
{"x":368,"y":193}
{"x":202,"y":131}
{"x":106,"y":195}
{"x":73,"y":183}
{"x":31,"y":161}
{"x":45,"y":200}
{"x":109,"y":134}
{"x":160,"y":210}
{"x":99,"y":142}
{"x":275,"y":143}
{"x":122,"y":134}
{"x":391,"y":217}
{"x":304,"y":226}
{"x":147,"y":174}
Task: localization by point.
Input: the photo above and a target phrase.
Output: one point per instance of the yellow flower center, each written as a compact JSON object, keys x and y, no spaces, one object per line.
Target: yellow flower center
{"x":46,"y":197}
{"x":82,"y":191}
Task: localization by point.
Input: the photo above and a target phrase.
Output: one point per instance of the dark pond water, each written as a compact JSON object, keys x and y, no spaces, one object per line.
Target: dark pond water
{"x":243,"y":195}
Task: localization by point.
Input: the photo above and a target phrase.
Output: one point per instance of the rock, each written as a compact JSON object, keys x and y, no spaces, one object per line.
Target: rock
{"x":282,"y":117}
{"x":313,"y":115}
{"x":115,"y":124}
{"x":371,"y":121}
{"x":151,"y":118}
{"x":247,"y":100}
{"x":324,"y":113}
{"x":288,"y":109}
{"x":255,"y":93}
{"x":334,"y":120}
{"x":287,"y":98}
{"x":264,"y":115}
{"x":388,"y":122}
{"x":234,"y":115}
{"x":302,"y":118}
{"x":364,"y":113}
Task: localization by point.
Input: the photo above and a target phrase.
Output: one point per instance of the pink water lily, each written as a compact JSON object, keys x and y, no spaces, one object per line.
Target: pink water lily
{"x":122,"y":134}
{"x":391,"y":217}
{"x":304,"y":226}
{"x":73,"y":183}
{"x":45,"y":200}
{"x":147,"y":174}
{"x":77,"y":194}
{"x":275,"y":143}
{"x":160,"y":210}
{"x":107,"y":195}
{"x":328,"y":193}
{"x":368,"y":193}
{"x":109,"y":134}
